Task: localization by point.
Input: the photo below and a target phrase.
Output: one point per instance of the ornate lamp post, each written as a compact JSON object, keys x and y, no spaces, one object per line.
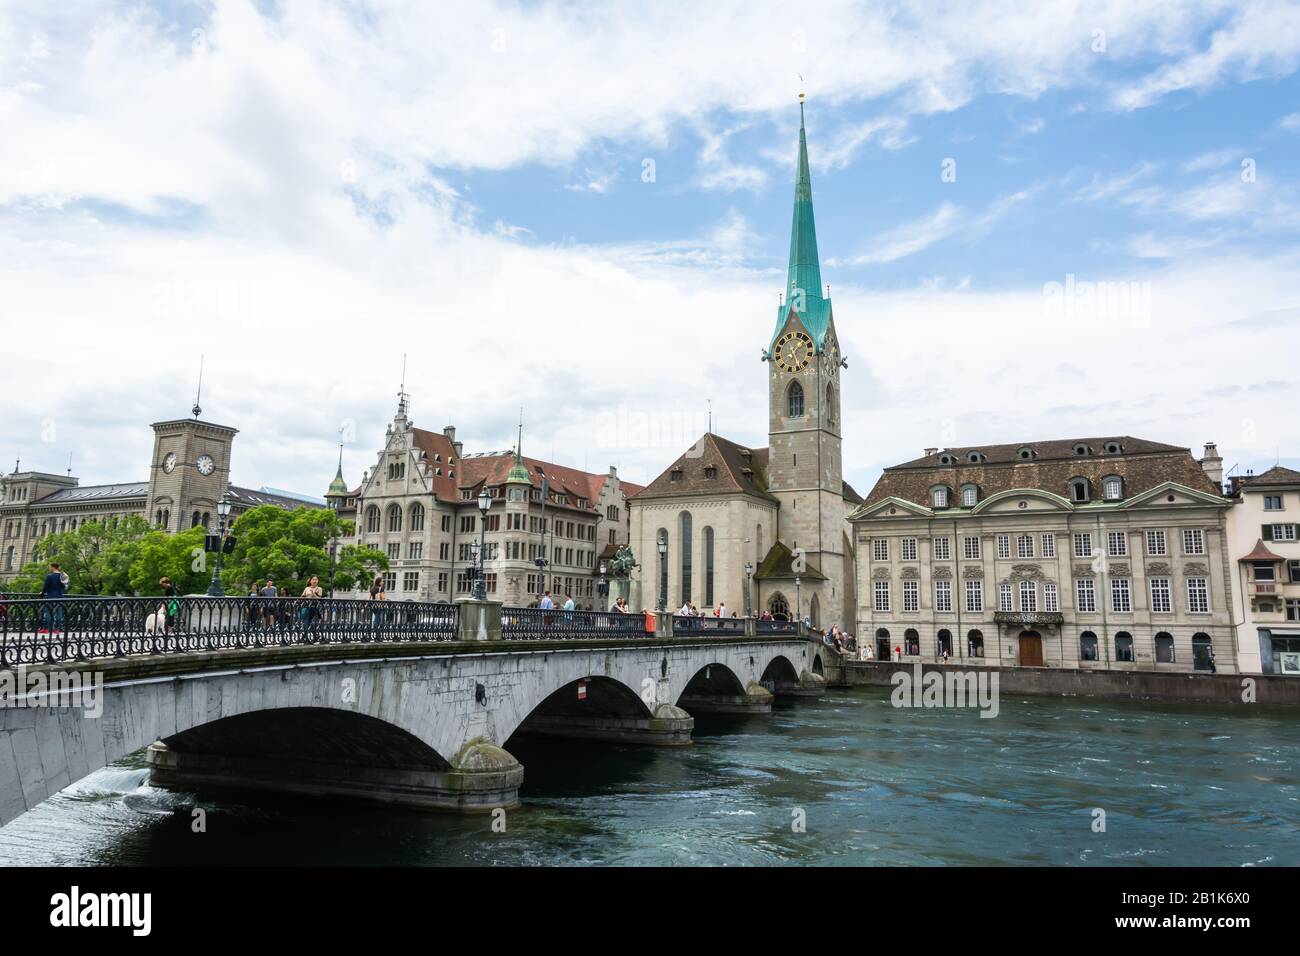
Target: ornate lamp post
{"x":480,"y":580}
{"x":223,"y":511}
{"x":602,"y":586}
{"x":749,"y":588}
{"x":798,"y":602}
{"x":663,"y":571}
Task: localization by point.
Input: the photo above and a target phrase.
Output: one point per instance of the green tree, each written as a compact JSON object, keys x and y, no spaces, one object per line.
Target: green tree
{"x":179,"y":557}
{"x":291,"y":546}
{"x":97,"y":557}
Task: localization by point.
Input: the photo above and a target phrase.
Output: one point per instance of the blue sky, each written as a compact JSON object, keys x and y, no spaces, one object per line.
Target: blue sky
{"x":304,"y":191}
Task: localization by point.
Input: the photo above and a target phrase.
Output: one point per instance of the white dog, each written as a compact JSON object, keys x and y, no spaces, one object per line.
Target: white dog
{"x":157,"y":621}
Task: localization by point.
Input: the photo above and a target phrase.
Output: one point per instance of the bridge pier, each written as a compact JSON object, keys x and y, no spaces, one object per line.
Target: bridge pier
{"x":808,"y":685}
{"x":756,"y":699}
{"x":668,"y":726}
{"x":481,"y":777}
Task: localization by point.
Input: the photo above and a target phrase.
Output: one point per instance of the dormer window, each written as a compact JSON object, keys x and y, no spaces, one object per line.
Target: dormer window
{"x":1081,"y":450}
{"x":1113,"y":487}
{"x":975,"y":458}
{"x":1025,"y":454}
{"x":675,"y":475}
{"x":1113,"y":448}
{"x":710,"y":471}
{"x":1078,"y":489}
{"x":946,"y":459}
{"x":939,"y":496}
{"x":969,"y":495}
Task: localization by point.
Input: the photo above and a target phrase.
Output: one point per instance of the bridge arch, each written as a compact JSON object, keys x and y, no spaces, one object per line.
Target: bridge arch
{"x":712,"y":680}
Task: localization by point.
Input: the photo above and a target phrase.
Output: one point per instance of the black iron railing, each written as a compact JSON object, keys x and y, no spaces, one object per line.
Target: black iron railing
{"x":685,"y":626}
{"x":52,"y":631}
{"x":533,"y":623}
{"x":776,"y":627}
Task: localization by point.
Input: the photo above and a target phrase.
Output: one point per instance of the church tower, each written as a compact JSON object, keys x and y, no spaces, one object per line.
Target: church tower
{"x":804,"y":469}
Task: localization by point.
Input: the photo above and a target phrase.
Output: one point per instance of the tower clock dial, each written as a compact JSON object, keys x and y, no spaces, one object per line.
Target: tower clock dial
{"x":169,"y":463}
{"x":793,"y":352}
{"x":205,"y":465}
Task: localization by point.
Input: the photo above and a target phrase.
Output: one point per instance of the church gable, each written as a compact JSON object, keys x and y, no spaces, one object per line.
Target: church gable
{"x":713,"y":465}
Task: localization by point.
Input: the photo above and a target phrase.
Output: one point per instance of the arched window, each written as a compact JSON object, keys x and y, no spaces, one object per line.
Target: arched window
{"x":975,"y":644}
{"x":815,"y":611}
{"x":1124,"y":647}
{"x":911,"y":642}
{"x":207,"y":519}
{"x":372,"y":519}
{"x":417,"y":517}
{"x":394,"y":517}
{"x":830,"y":403}
{"x":883,"y":651}
{"x":1164,"y":648}
{"x":794,"y":401}
{"x":939,"y":497}
{"x":1202,"y":652}
{"x":1113,"y":488}
{"x":1087,"y":646}
{"x":945,"y":643}
{"x":1078,"y":489}
{"x":194,"y":521}
{"x":708,"y":566}
{"x":686,"y":556}
{"x":760,"y":552}
{"x":779,"y":607}
{"x":9,"y":558}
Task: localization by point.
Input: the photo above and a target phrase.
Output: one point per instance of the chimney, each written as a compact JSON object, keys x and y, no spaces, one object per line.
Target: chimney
{"x":450,"y":432}
{"x":1212,"y":465}
{"x":930,"y":451}
{"x":613,"y":472}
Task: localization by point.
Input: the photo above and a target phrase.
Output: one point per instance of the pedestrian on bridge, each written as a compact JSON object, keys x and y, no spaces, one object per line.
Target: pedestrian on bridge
{"x":54,"y":587}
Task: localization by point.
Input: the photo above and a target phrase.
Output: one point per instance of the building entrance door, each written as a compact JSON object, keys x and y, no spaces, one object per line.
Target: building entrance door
{"x":1031,"y":649}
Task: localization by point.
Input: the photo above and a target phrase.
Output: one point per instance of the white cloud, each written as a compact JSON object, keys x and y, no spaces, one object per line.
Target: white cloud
{"x":946,"y":221}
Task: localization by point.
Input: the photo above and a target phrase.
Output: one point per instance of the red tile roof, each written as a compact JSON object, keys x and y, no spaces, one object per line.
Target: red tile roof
{"x":441,"y":454}
{"x":1261,"y":553}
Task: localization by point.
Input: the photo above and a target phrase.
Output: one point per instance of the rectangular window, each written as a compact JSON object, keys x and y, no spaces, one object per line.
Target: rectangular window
{"x":1004,"y":546}
{"x":882,"y":595}
{"x":1272,"y":502}
{"x":411,"y":581}
{"x":971,"y":548}
{"x":911,"y":595}
{"x":1283,"y":532}
{"x":466,"y":523}
{"x":1156,"y":543}
{"x":1293,"y":571}
{"x":1004,"y":597}
{"x":1083,"y":544}
{"x":880,"y":549}
{"x":1028,"y":597}
{"x":415,"y":550}
{"x":943,"y":596}
{"x":1049,"y":545}
{"x":1193,"y":541}
{"x":1119,"y":596}
{"x":394,"y":550}
{"x":1025,"y":546}
{"x":1160,"y":598}
{"x":1117,"y":544}
{"x":1049,"y":598}
{"x":1198,"y":596}
{"x":444,"y":551}
{"x":940,"y":548}
{"x":390,"y":581}
{"x":909,"y":549}
{"x":968,"y":497}
{"x":442,"y":582}
{"x":1293,"y":609}
{"x":975,"y":597}
{"x":1085,"y":596}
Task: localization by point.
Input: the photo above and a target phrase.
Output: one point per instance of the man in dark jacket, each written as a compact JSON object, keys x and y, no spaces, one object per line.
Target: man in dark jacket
{"x":54,"y":587}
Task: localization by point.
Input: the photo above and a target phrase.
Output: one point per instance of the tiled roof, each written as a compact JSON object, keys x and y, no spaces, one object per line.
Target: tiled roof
{"x":442,"y":460}
{"x":779,"y":565}
{"x":713,"y":465}
{"x":253,"y":498}
{"x":1262,"y":553}
{"x":1277,"y":475}
{"x":493,"y":468}
{"x":115,"y":492}
{"x":1141,"y":464}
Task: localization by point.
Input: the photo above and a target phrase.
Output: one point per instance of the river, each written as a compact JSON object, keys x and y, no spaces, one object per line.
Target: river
{"x":871,"y":784}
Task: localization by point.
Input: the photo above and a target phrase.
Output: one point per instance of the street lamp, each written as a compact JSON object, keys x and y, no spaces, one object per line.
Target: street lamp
{"x":223,"y":511}
{"x":663,"y":571}
{"x":798,"y":602}
{"x":602,"y":586}
{"x":480,"y":582}
{"x":749,"y":588}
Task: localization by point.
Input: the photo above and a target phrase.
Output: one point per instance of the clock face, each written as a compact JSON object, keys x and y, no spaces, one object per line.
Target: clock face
{"x":205,"y":465}
{"x":169,"y":463}
{"x":793,"y":352}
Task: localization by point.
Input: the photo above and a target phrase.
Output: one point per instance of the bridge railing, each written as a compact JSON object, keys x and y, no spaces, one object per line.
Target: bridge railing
{"x":533,"y":623}
{"x":52,"y":631}
{"x":684,"y":626}
{"x":776,"y":627}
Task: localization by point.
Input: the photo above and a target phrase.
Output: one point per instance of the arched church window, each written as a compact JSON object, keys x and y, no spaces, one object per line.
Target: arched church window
{"x":417,"y":517}
{"x":830,"y":403}
{"x":794,"y":401}
{"x":779,"y":607}
{"x":394,"y":517}
{"x":686,"y":556}
{"x":372,"y":519}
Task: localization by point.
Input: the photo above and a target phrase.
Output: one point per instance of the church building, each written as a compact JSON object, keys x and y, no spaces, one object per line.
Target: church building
{"x":764,"y":529}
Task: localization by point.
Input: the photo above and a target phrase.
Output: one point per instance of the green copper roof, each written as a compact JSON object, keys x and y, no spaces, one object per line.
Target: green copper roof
{"x":804,"y":292}
{"x":518,"y":471}
{"x":338,"y":486}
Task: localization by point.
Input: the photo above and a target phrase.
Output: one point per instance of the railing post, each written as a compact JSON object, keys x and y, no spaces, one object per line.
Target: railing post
{"x":751,"y":627}
{"x":479,"y":620}
{"x":664,"y":627}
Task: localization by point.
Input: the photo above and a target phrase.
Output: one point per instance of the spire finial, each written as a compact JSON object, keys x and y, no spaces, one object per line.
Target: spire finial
{"x":197,"y":410}
{"x":519,"y":445}
{"x":403,"y":399}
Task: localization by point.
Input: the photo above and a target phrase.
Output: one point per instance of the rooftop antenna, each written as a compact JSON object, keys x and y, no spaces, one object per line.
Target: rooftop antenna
{"x":710,"y":401}
{"x":69,"y":464}
{"x":197,"y":410}
{"x":403,"y":400}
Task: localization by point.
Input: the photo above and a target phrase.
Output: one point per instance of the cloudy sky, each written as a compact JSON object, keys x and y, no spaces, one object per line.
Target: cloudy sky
{"x":1080,"y":221}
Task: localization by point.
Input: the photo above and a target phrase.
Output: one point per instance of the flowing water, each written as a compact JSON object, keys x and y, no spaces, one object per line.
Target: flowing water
{"x":872,"y":785}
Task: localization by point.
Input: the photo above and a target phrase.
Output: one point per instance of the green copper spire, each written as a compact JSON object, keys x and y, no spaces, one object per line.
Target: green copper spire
{"x":804,"y":292}
{"x":518,"y":471}
{"x":338,"y":486}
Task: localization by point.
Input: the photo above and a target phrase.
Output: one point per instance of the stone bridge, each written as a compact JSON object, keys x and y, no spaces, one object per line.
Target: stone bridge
{"x":416,"y":724}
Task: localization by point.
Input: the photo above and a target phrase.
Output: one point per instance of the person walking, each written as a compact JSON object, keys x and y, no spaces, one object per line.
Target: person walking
{"x":170,"y":604}
{"x":269,"y":607}
{"x":377,"y":593}
{"x":312,"y":592}
{"x":54,"y":587}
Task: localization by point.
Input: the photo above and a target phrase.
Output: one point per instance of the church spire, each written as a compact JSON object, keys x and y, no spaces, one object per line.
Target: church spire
{"x":519,"y":471}
{"x":338,"y":486}
{"x":803,"y":287}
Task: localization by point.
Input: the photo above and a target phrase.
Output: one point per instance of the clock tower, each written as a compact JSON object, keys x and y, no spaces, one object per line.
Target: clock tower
{"x":805,"y":470}
{"x":188,"y":473}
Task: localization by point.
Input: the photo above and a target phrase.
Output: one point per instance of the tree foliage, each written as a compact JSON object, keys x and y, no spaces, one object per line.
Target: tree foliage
{"x":289,"y":547}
